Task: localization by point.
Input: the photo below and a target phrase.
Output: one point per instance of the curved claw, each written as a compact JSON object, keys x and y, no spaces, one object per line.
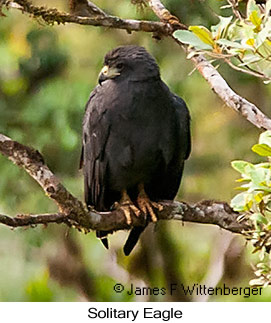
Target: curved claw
{"x":127,"y":206}
{"x":146,"y":205}
{"x":128,"y":209}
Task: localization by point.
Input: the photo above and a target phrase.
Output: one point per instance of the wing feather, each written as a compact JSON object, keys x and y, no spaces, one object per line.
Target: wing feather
{"x":96,"y":129}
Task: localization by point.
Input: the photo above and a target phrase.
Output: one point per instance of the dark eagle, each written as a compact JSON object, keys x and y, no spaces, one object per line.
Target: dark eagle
{"x":136,"y":137}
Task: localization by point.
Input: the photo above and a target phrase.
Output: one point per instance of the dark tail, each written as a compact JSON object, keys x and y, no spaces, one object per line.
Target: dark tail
{"x":132,"y":239}
{"x":102,"y":236}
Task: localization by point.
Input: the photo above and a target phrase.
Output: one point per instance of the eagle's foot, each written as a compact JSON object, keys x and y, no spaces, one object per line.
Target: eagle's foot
{"x":146,"y":205}
{"x":127,"y":207}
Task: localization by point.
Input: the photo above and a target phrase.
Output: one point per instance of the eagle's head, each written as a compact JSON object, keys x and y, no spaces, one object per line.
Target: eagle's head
{"x":130,"y":63}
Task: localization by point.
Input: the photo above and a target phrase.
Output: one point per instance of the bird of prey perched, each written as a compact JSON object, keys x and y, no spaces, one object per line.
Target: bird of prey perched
{"x":136,"y":137}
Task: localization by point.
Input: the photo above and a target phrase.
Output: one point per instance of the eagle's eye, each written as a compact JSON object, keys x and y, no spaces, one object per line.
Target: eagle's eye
{"x":119,"y":66}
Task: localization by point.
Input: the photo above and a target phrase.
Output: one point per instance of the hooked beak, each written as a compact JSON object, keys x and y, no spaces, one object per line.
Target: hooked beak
{"x":108,"y":73}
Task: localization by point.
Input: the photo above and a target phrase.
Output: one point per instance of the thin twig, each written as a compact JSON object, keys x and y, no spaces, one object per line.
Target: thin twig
{"x":234,"y":6}
{"x":248,"y":71}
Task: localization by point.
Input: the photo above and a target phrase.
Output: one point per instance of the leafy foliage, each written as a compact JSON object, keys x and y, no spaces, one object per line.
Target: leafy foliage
{"x":255,"y":200}
{"x":243,"y":41}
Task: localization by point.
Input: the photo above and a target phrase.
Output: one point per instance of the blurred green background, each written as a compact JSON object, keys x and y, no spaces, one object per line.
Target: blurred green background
{"x":46,"y":75}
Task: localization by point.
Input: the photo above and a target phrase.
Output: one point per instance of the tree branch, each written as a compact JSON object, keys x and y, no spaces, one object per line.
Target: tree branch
{"x":247,"y":109}
{"x":52,"y":15}
{"x":163,"y":14}
{"x":73,"y":213}
{"x":30,"y":219}
{"x":205,"y":212}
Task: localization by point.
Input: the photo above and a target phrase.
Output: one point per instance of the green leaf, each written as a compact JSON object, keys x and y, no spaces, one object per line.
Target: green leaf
{"x":240,"y":165}
{"x":259,"y":197}
{"x":250,"y":42}
{"x":242,"y":188}
{"x":203,"y":34}
{"x":262,"y":254}
{"x":256,"y":19}
{"x":262,"y":149}
{"x":265,"y":138}
{"x":220,"y":29}
{"x":241,"y":180}
{"x":252,"y":6}
{"x":263,"y":34}
{"x":234,"y":31}
{"x":257,"y":282}
{"x":228,"y":43}
{"x":257,"y":175}
{"x":246,"y":31}
{"x":259,"y":218}
{"x":242,"y":202}
{"x":187,"y":37}
{"x":249,"y":59}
